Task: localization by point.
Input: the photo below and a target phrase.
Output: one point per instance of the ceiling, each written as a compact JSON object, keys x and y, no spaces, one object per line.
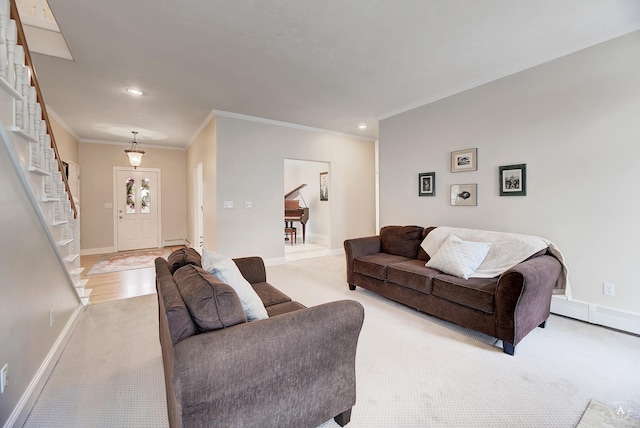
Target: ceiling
{"x":329,"y":64}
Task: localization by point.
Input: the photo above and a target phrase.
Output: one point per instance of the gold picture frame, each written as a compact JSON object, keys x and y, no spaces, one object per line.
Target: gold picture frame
{"x":464,"y":160}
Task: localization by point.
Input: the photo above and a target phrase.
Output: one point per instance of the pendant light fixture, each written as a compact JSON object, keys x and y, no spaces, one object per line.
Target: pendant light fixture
{"x":134,"y":151}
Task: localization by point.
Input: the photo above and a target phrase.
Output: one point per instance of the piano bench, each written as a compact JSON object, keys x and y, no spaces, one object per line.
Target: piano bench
{"x":290,"y":231}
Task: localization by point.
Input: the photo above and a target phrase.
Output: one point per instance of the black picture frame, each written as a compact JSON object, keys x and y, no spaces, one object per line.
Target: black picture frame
{"x":512,"y":180}
{"x":427,"y":184}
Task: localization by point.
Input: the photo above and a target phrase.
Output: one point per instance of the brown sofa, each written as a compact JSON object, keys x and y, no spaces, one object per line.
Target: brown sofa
{"x":294,"y":369}
{"x":507,"y":307}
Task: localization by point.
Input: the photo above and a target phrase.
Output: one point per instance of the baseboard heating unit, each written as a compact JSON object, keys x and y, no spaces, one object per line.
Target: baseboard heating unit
{"x":595,"y":314}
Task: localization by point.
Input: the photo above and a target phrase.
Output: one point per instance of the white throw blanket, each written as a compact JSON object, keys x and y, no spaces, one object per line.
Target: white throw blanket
{"x":507,"y":250}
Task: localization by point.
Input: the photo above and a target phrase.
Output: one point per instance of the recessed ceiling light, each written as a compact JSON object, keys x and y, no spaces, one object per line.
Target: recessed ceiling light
{"x":134,"y":91}
{"x":362,"y":126}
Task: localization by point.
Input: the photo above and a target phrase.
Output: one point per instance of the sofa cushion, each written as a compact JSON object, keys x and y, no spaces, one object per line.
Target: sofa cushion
{"x":181,"y":324}
{"x":269,"y":294}
{"x":476,"y":293}
{"x":182,"y":257}
{"x":401,"y":240}
{"x":375,"y":265}
{"x":412,"y":274}
{"x":458,"y":257}
{"x":284,"y":308}
{"x":227,"y":271}
{"x":212,"y":304}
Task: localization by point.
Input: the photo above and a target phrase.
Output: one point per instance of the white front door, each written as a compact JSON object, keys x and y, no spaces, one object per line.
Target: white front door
{"x":137,"y":194}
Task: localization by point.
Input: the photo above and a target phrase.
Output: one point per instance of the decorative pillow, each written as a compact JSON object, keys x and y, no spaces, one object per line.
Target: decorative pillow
{"x":212,"y":304}
{"x":459,"y":258}
{"x":209,"y":258}
{"x":182,"y":257}
{"x":227,"y":271}
{"x":401,"y":240}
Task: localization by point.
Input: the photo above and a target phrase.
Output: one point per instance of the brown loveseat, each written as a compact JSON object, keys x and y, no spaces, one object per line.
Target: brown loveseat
{"x":507,"y":307}
{"x":294,"y":369}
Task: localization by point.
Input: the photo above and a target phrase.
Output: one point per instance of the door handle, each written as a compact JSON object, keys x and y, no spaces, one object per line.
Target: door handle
{"x":119,"y":216}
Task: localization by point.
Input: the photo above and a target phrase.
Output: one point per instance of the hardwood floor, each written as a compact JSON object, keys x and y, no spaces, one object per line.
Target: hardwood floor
{"x":120,"y":285}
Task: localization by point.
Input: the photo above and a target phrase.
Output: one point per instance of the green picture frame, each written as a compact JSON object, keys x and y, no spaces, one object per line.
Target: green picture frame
{"x":512,"y":180}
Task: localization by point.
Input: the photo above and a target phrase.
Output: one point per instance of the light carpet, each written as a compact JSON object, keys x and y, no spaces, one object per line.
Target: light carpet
{"x":412,"y":370}
{"x":125,"y":261}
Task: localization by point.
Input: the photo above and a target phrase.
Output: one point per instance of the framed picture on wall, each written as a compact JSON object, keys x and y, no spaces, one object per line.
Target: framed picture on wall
{"x":513,"y":180}
{"x":324,"y":186}
{"x":427,"y":184}
{"x":464,"y":160}
{"x":464,"y":194}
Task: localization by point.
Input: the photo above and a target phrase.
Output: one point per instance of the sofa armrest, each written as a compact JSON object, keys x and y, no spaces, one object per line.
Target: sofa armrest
{"x":523,"y":297}
{"x":252,"y":268}
{"x":295,"y":369}
{"x":358,"y":247}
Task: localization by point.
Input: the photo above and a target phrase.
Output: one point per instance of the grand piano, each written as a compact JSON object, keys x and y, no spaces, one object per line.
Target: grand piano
{"x":294,"y":212}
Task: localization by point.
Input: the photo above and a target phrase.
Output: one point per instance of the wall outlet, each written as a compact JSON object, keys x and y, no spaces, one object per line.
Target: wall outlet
{"x":608,"y":289}
{"x":3,"y":378}
{"x":248,"y":204}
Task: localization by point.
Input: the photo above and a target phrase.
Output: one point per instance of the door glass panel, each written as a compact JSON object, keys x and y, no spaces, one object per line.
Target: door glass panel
{"x":145,"y":208}
{"x":131,"y":196}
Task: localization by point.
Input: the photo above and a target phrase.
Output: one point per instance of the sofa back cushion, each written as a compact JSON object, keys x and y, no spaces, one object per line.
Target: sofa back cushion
{"x":182,"y":257}
{"x":422,"y":254}
{"x":178,"y":317}
{"x":212,"y":304}
{"x":401,"y":240}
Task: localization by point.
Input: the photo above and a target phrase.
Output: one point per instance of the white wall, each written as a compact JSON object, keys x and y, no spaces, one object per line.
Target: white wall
{"x":575,"y":123}
{"x":250,"y":157}
{"x":297,"y":172}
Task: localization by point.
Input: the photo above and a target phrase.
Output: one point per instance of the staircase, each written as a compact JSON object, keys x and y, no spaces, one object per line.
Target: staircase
{"x":26,"y":131}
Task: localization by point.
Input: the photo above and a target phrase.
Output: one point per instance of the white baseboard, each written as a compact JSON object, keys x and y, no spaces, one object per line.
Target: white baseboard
{"x":174,"y":242}
{"x":20,"y":413}
{"x":337,"y":252}
{"x":595,"y":314}
{"x":91,"y":251}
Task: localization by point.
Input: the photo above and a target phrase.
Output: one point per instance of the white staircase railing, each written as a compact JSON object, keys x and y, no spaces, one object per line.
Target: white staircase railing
{"x":32,"y":146}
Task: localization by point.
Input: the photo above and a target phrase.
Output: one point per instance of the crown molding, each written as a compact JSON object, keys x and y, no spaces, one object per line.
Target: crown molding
{"x":120,"y":143}
{"x":240,"y":116}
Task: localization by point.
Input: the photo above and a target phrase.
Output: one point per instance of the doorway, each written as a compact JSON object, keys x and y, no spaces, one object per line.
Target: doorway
{"x":137,"y":220}
{"x":318,"y":226}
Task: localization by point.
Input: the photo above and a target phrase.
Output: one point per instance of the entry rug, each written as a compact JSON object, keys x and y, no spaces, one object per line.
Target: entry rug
{"x":599,"y":415}
{"x":125,"y":261}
